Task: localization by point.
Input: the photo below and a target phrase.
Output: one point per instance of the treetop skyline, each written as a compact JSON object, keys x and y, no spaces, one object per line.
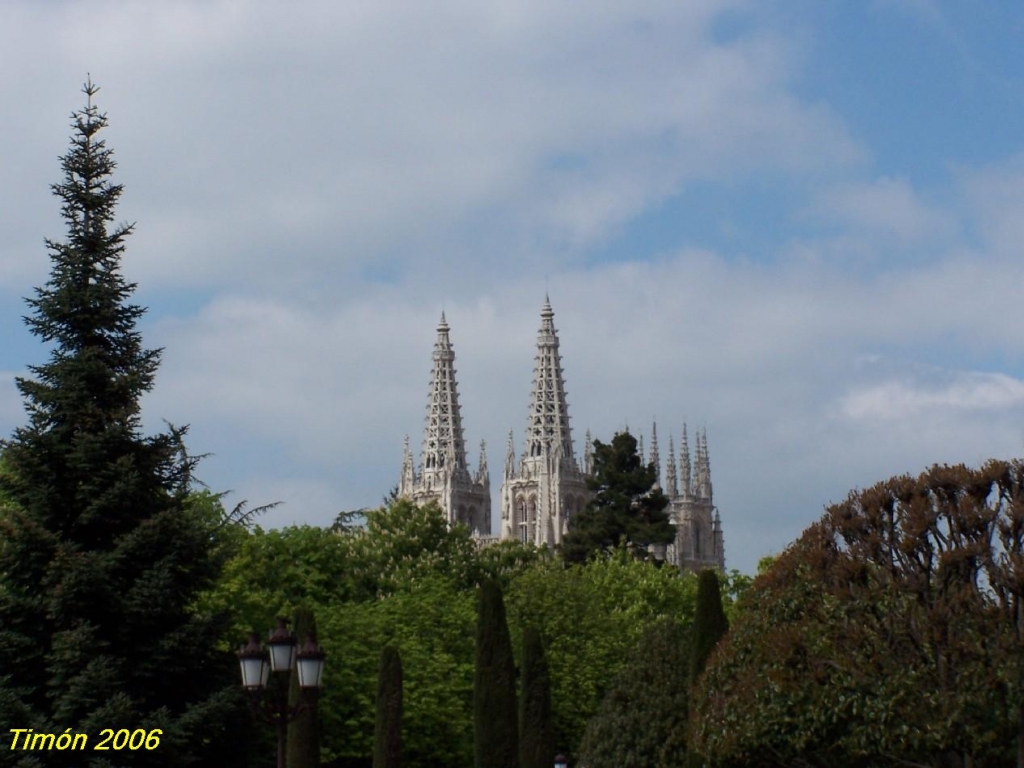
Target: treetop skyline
{"x":792,"y":223}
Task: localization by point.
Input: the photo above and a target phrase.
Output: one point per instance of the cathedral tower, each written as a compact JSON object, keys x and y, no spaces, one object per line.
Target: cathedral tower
{"x":699,"y":543}
{"x":546,"y":487}
{"x":443,"y":474}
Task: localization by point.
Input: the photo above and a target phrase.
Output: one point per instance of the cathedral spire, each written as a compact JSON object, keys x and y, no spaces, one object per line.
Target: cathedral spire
{"x":655,"y":459}
{"x":408,"y":479}
{"x":510,"y":457}
{"x":547,"y":426}
{"x":443,"y":446}
{"x":640,"y":449}
{"x":684,"y":466}
{"x":703,"y":468}
{"x":588,"y":454}
{"x":483,"y":475}
{"x":672,"y":488}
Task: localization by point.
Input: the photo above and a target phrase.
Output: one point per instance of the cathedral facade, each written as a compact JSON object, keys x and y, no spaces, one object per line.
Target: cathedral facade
{"x":546,"y":485}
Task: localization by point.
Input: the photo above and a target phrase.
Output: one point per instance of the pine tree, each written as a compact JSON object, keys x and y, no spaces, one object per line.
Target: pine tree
{"x":304,"y":730}
{"x":536,"y":730}
{"x":709,"y":623}
{"x":387,"y":742}
{"x":102,"y":553}
{"x":626,"y":506}
{"x":495,"y":719}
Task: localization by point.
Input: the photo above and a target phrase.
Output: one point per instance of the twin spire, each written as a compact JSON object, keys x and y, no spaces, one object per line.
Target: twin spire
{"x":545,"y":489}
{"x":547,"y":426}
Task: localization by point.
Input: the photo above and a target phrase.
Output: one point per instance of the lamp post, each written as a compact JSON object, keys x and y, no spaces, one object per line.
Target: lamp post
{"x":281,"y":656}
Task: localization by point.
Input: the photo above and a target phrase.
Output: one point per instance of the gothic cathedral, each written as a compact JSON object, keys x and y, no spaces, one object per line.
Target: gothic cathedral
{"x":547,"y":486}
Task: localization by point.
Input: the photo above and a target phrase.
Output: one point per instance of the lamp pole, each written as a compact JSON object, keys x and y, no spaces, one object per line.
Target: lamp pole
{"x":280,"y":655}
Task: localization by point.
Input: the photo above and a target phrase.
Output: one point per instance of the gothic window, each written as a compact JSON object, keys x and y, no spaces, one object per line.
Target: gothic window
{"x":696,"y":541}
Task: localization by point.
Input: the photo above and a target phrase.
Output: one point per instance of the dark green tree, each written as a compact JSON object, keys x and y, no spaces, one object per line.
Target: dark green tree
{"x":102,"y":552}
{"x":536,"y":726}
{"x":304,"y":730}
{"x":626,"y":506}
{"x":709,"y":622}
{"x":495,"y":719}
{"x":387,"y":742}
{"x":642,"y":719}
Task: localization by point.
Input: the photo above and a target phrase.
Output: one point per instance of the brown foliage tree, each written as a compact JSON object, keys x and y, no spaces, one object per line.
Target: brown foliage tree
{"x":889,"y":633}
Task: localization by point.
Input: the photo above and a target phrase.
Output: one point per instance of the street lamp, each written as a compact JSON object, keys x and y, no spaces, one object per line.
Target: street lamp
{"x":280,"y":656}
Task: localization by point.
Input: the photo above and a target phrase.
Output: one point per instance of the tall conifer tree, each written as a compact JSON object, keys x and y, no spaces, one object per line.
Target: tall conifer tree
{"x":304,"y":730}
{"x":709,"y":622}
{"x":101,"y":552}
{"x":495,"y":716}
{"x":536,"y":729}
{"x":387,"y":737}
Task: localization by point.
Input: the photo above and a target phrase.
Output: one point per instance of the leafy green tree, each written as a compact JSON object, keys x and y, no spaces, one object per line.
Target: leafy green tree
{"x":304,"y":730}
{"x":536,"y":729}
{"x":403,"y":541}
{"x":642,"y":720}
{"x":431,"y":621}
{"x":495,"y":716}
{"x":103,"y":554}
{"x":272,"y":572}
{"x":888,"y":634}
{"x":709,"y":624}
{"x":592,"y":618}
{"x":387,"y":745}
{"x":626,"y":506}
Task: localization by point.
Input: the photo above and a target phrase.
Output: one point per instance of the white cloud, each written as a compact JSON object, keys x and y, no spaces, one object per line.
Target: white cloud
{"x":896,"y":400}
{"x":255,"y":141}
{"x":886,"y":206}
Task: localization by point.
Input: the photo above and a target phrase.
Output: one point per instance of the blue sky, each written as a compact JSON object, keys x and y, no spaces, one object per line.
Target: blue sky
{"x":797,"y":224}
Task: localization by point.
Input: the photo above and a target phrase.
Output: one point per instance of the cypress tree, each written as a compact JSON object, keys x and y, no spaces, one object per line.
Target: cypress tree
{"x":387,"y":741}
{"x":536,"y":731}
{"x":304,"y":730}
{"x":103,"y":554}
{"x":495,"y":719}
{"x":709,"y":623}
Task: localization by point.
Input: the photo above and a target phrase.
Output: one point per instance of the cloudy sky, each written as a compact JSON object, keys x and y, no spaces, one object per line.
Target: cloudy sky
{"x":798,"y":224}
